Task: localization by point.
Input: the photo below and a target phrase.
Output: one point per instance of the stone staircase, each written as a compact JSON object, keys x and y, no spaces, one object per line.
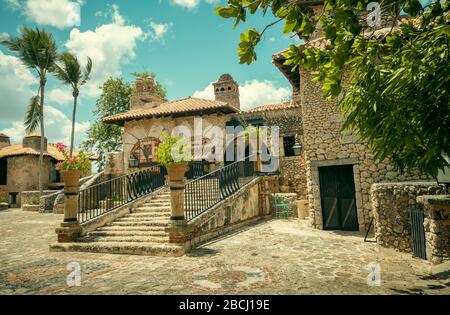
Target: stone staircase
{"x":141,"y":232}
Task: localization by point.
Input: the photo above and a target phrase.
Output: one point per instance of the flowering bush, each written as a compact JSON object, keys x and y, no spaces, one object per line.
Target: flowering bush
{"x":80,"y":161}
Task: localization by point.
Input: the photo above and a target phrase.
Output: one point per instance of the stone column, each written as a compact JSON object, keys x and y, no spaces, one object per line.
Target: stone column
{"x":178,"y":224}
{"x":70,"y":228}
{"x":437,"y":226}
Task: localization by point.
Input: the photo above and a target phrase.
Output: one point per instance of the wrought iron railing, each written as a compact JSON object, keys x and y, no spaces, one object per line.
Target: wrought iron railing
{"x":205,"y":192}
{"x":109,"y":195}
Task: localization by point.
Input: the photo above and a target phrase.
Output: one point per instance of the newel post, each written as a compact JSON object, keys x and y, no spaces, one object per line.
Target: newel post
{"x":178,"y":224}
{"x":70,"y":228}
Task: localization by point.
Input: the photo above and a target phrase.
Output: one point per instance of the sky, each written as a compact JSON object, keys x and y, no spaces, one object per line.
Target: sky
{"x":183,"y":41}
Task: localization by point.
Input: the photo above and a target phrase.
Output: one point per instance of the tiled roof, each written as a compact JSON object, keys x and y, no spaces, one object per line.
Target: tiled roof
{"x":272,"y":107}
{"x":2,"y":135}
{"x":185,"y":105}
{"x":18,"y":149}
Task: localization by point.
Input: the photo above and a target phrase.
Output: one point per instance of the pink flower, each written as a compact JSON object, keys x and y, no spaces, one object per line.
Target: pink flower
{"x":61,"y":146}
{"x":58,"y":166}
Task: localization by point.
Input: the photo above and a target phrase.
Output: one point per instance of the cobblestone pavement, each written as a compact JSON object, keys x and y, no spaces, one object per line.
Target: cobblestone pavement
{"x":273,"y":257}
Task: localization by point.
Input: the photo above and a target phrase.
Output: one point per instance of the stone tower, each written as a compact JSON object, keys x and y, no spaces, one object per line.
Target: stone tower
{"x":227,"y":90}
{"x":33,"y":141}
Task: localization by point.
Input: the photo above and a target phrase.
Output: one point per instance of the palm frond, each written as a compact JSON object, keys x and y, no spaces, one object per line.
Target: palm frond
{"x":87,"y":71}
{"x":32,"y":116}
{"x":68,"y":69}
{"x":36,"y":48}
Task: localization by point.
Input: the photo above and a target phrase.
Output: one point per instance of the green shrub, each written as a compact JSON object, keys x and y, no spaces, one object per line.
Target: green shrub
{"x":173,"y":150}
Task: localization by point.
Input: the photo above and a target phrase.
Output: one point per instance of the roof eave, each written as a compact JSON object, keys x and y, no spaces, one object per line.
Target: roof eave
{"x":222,"y":110}
{"x":292,"y":76}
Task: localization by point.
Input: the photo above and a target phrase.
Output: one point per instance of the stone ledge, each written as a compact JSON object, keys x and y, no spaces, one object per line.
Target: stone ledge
{"x":439,"y":200}
{"x":4,"y":206}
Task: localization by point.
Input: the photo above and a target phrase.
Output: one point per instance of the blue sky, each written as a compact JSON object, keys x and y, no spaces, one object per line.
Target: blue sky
{"x":182,"y":41}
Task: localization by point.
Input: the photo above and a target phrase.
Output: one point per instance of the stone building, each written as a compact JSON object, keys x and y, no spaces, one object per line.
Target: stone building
{"x":19,"y":167}
{"x":149,"y":117}
{"x":340,"y":168}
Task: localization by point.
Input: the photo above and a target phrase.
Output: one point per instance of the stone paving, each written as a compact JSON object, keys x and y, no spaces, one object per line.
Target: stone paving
{"x":273,"y":257}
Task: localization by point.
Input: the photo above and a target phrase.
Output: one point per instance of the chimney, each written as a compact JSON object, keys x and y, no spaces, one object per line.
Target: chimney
{"x":227,"y":90}
{"x":139,"y":85}
{"x":33,"y":140}
{"x":4,"y":141}
{"x":144,"y":96}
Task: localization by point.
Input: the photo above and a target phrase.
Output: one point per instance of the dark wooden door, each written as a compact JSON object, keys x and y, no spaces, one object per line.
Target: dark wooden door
{"x":337,"y":191}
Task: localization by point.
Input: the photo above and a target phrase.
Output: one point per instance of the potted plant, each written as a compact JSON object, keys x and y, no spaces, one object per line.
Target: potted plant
{"x":72,"y":168}
{"x":174,"y":154}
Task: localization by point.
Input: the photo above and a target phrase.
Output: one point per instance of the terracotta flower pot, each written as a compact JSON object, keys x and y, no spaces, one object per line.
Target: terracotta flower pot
{"x":176,"y":171}
{"x":71,"y":177}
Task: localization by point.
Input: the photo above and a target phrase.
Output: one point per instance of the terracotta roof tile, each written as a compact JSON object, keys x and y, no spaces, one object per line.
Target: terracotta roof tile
{"x":272,"y":107}
{"x":185,"y":105}
{"x":18,"y":149}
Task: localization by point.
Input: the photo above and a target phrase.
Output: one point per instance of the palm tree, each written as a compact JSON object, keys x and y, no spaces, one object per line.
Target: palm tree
{"x":68,"y":70}
{"x":37,"y":50}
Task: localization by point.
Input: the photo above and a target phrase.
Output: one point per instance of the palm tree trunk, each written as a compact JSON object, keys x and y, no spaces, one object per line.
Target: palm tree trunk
{"x":75,"y":98}
{"x":41,"y":153}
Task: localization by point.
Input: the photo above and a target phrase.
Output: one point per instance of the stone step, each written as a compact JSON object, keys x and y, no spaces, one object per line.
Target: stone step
{"x":131,"y":233}
{"x":152,"y":209}
{"x":139,"y":248}
{"x":149,"y":214}
{"x":126,"y":239}
{"x":128,"y":228}
{"x":147,"y":217}
{"x":140,"y":223}
{"x":157,"y":204}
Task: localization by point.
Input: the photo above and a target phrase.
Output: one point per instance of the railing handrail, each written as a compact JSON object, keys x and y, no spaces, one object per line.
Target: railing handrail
{"x":201,"y":194}
{"x":108,"y":195}
{"x":119,"y":177}
{"x":221,"y":169}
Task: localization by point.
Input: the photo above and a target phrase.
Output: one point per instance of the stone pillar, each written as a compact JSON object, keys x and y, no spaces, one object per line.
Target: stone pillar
{"x":178,"y":224}
{"x":70,"y":229}
{"x":437,"y":226}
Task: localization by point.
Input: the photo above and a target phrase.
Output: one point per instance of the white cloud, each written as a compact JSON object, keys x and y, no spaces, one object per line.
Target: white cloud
{"x":57,"y":128}
{"x":12,"y":4}
{"x":109,"y":46}
{"x":60,"y":96}
{"x":252,"y":93}
{"x":189,"y":4}
{"x":192,"y":4}
{"x":57,"y":13}
{"x":159,"y":30}
{"x":16,"y":88}
{"x":4,"y":36}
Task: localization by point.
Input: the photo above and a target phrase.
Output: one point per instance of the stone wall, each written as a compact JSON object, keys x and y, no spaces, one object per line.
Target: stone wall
{"x":391,"y":204}
{"x":292,"y":169}
{"x":30,"y":199}
{"x":437,"y":226}
{"x":293,"y":176}
{"x":23,"y":174}
{"x":325,"y":145}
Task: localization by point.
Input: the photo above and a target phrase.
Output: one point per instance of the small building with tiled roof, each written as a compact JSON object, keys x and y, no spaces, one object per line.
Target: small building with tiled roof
{"x":19,"y":167}
{"x":149,"y":117}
